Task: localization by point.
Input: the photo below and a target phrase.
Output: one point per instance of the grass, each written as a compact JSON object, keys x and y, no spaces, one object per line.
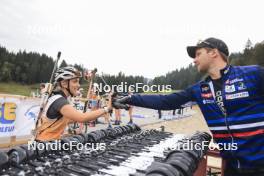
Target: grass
{"x":25,"y":90}
{"x":17,"y":89}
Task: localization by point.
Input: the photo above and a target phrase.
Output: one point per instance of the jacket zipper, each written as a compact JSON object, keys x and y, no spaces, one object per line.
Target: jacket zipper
{"x":226,"y":123}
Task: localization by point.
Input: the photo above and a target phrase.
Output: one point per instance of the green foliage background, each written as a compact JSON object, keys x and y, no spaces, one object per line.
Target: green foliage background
{"x":21,"y":72}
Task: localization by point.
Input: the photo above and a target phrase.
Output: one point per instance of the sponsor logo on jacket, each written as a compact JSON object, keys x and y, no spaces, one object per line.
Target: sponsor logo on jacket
{"x":207,"y":95}
{"x":230,"y":88}
{"x":241,"y":86}
{"x":237,"y":95}
{"x":208,"y":101}
{"x":234,"y":80}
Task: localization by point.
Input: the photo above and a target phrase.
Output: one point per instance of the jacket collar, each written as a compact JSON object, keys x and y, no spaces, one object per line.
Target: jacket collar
{"x":224,"y":73}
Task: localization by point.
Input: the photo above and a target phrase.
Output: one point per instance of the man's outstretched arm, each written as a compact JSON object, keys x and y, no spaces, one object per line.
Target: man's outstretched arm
{"x":162,"y":102}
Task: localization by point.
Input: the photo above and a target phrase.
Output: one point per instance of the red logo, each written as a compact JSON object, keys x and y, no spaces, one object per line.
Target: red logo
{"x":207,"y":95}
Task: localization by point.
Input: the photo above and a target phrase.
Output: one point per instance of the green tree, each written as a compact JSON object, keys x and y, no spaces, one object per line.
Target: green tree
{"x":63,"y":64}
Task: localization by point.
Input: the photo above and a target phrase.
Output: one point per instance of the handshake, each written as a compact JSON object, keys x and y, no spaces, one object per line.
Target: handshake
{"x":120,"y":101}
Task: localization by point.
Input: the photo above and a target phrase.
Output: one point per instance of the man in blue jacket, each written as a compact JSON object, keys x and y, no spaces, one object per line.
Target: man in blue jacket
{"x":231,"y":99}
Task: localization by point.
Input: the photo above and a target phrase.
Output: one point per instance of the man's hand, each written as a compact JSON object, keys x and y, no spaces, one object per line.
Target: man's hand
{"x":120,"y":102}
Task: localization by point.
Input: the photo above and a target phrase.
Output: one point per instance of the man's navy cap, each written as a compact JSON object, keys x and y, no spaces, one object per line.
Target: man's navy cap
{"x":208,"y":43}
